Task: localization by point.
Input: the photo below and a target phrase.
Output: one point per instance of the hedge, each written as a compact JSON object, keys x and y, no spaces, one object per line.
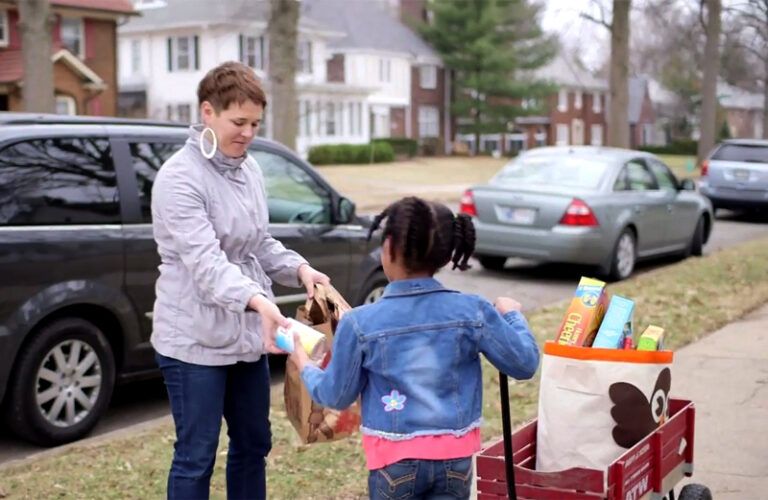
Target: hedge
{"x":351,"y":153}
{"x":680,"y":147}
{"x":401,"y":145}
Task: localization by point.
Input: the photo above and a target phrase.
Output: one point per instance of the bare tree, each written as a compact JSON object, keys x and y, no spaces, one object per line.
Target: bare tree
{"x":707,"y":123}
{"x":35,"y":23}
{"x":617,"y":134}
{"x":754,"y":15}
{"x":282,"y":30}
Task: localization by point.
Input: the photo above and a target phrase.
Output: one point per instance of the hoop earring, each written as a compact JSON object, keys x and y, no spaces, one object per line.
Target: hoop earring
{"x":208,"y":154}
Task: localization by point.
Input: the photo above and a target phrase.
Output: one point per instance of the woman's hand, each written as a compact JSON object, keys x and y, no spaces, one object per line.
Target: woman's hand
{"x":299,"y":355}
{"x":309,"y":277}
{"x":271,"y":319}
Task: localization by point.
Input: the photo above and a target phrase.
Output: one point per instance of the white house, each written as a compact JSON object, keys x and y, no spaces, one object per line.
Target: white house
{"x":164,"y":54}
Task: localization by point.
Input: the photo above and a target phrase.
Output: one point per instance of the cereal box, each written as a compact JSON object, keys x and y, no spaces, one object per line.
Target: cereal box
{"x":652,"y":339}
{"x":616,"y":325}
{"x":584,"y":314}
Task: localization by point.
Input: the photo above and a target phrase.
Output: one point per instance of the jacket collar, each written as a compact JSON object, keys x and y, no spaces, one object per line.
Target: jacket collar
{"x":416,"y":286}
{"x":220,"y":161}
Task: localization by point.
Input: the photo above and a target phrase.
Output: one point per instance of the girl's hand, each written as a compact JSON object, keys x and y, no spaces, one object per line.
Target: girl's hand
{"x":299,"y":355}
{"x":271,"y":319}
{"x":506,"y":304}
{"x":309,"y":277}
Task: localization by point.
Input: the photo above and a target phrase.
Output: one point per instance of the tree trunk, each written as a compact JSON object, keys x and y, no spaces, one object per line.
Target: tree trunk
{"x":282,"y":31}
{"x":765,"y":99}
{"x":35,"y":23}
{"x":707,"y":123}
{"x":618,"y":116}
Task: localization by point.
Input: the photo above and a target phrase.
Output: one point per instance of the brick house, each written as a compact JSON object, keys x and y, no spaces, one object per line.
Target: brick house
{"x":743,"y":111}
{"x":84,"y":55}
{"x":642,"y":116}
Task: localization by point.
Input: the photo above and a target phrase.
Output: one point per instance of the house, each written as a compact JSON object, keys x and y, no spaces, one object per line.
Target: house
{"x":167,"y":51}
{"x":84,"y":55}
{"x":743,"y":111}
{"x":642,"y":116}
{"x":379,"y":50}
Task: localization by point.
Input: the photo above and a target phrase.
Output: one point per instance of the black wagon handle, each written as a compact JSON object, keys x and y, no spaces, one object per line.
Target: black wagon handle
{"x":506,"y":424}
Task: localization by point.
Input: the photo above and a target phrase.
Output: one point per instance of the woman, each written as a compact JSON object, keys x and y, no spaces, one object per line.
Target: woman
{"x":213,"y":318}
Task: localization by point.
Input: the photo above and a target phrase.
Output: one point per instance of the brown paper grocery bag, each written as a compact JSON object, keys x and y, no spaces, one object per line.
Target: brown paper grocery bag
{"x":314,"y":423}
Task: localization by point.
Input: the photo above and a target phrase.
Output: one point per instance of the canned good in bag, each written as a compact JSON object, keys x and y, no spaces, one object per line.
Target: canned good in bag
{"x":312,"y":341}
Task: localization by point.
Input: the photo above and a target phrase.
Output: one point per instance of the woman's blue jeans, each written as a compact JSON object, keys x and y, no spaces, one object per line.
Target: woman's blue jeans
{"x":200,"y":396}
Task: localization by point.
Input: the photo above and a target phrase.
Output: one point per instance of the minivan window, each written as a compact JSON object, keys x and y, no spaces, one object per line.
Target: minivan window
{"x":58,"y":181}
{"x":293,"y":196}
{"x":147,"y":158}
{"x":750,"y":153}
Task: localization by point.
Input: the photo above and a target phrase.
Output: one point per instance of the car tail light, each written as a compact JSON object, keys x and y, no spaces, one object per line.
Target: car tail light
{"x":704,"y":168}
{"x":467,"y":204}
{"x":578,"y":213}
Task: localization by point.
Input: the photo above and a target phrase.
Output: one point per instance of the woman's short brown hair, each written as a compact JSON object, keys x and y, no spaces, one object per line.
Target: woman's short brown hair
{"x":230,"y":82}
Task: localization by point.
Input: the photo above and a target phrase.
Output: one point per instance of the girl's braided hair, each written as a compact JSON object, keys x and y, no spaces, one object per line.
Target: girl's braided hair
{"x":427,"y":234}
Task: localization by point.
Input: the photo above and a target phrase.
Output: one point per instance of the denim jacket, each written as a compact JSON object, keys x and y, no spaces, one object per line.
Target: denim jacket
{"x":414,"y":356}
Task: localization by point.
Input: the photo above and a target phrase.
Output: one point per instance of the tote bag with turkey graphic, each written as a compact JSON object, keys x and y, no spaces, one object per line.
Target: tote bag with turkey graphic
{"x":595,"y":404}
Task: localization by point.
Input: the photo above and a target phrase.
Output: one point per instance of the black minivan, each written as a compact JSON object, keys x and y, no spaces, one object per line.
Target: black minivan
{"x":78,"y":262}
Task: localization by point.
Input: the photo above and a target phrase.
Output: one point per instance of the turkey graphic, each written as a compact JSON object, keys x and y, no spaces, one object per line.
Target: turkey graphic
{"x":634,"y":414}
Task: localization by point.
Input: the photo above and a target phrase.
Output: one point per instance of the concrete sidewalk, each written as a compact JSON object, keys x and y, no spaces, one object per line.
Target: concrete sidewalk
{"x":726,"y":376}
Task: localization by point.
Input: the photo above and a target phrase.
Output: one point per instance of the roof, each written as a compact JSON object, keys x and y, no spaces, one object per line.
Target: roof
{"x":368,"y":25}
{"x":567,"y":73}
{"x":111,"y":6}
{"x":747,"y":142}
{"x":12,"y":66}
{"x":602,"y":152}
{"x":7,"y":118}
{"x":731,"y":97}
{"x":178,"y":13}
{"x":638,"y":87}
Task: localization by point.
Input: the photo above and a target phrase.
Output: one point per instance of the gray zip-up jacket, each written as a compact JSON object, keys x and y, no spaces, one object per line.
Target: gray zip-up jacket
{"x":211,"y":224}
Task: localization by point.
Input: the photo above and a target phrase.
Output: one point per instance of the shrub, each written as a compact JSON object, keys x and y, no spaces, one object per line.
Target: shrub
{"x":402,"y":146}
{"x":379,"y":152}
{"x":679,"y":147}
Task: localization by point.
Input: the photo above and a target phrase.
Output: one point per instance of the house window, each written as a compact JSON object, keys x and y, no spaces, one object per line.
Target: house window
{"x":429,"y":121}
{"x":359,"y":118}
{"x":562,"y":135}
{"x":428,"y":77}
{"x":305,"y":57}
{"x":597,"y":105}
{"x":385,"y":70}
{"x":647,"y":134}
{"x":73,"y":35}
{"x":4,"y":36}
{"x":562,"y":101}
{"x":253,"y":51}
{"x":183,"y":53}
{"x":596,"y":134}
{"x":136,"y":56}
{"x":318,"y":118}
{"x":181,"y":113}
{"x":306,"y":118}
{"x":577,"y":100}
{"x":65,"y":105}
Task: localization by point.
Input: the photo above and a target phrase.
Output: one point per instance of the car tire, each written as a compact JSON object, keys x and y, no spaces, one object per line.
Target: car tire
{"x":50,"y":404}
{"x":492,"y":262}
{"x":695,"y":492}
{"x":373,"y":288}
{"x":624,"y":256}
{"x":696,"y":247}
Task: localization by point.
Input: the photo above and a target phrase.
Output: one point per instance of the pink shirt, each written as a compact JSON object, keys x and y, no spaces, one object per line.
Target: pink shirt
{"x":380,"y":452}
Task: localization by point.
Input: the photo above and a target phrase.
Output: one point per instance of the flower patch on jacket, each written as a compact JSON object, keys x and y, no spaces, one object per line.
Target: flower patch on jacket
{"x":394,"y":401}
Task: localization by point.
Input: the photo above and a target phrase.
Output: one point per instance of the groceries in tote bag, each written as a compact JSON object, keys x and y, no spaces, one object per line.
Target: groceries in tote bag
{"x":599,"y":396}
{"x":315,"y":423}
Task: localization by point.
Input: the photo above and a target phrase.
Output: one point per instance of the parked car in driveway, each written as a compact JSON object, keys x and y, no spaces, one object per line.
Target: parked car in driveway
{"x":587,"y":205}
{"x":735,"y":175}
{"x":78,"y":262}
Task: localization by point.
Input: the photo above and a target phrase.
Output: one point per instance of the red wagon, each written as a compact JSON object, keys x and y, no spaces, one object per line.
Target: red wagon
{"x":651,"y":469}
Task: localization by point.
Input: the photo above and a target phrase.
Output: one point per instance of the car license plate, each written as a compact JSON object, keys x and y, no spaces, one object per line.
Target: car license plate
{"x":741,"y":174}
{"x":513,"y":215}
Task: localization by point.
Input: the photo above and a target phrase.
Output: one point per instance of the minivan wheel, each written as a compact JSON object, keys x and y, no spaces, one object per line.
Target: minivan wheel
{"x":373,"y":289}
{"x":624,"y":256}
{"x":62,"y":384}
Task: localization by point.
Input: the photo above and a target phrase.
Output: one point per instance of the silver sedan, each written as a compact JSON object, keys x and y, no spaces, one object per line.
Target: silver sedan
{"x":587,"y":205}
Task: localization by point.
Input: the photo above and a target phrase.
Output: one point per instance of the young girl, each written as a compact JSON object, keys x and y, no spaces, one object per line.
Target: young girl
{"x":414,"y":357}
